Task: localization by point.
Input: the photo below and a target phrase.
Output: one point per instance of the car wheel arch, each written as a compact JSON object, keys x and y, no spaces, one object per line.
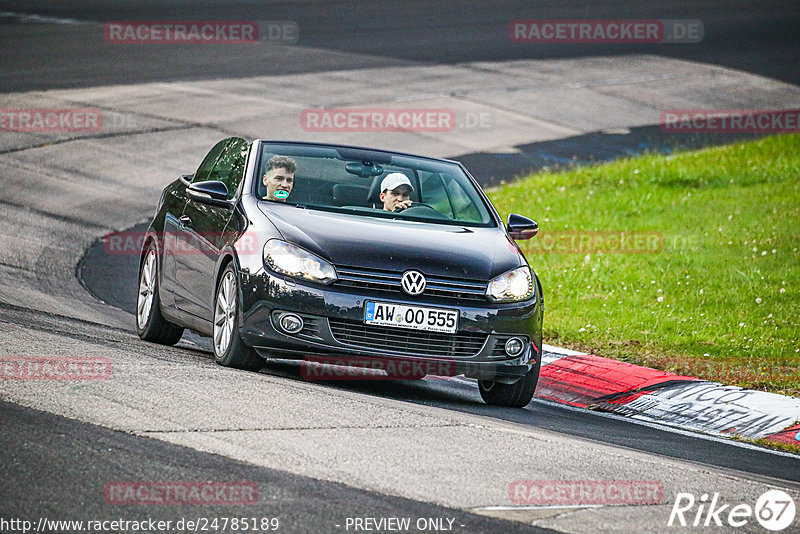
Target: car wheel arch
{"x":539,"y":284}
{"x":150,"y":239}
{"x":226,"y":258}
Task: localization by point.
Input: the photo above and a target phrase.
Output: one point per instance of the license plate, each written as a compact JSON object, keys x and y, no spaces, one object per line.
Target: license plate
{"x":415,"y":317}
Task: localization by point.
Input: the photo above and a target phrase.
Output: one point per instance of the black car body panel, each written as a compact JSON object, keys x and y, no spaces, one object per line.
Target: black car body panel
{"x":196,"y":240}
{"x":342,"y":239}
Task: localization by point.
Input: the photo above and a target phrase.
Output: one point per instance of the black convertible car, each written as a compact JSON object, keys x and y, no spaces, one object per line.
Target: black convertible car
{"x":299,"y":251}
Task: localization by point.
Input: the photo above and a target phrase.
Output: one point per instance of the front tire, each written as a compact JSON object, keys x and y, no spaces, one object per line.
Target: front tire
{"x":229,"y":349}
{"x":516,"y":395}
{"x":150,"y":323}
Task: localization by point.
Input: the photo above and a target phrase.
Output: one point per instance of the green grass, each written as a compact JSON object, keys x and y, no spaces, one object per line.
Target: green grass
{"x":718,"y":296}
{"x":770,"y":444}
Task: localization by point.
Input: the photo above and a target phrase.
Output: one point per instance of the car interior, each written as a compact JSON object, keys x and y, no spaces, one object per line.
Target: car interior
{"x":326,"y":182}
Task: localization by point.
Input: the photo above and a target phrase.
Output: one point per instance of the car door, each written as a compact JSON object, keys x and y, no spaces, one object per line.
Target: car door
{"x":204,"y":231}
{"x":173,"y":205}
{"x":171,"y":287}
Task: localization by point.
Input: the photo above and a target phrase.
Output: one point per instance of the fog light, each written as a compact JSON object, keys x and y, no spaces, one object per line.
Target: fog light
{"x":514,"y":346}
{"x":290,"y":323}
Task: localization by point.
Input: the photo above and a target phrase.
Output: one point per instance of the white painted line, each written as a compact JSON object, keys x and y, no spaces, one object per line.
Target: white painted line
{"x":562,"y":351}
{"x":662,"y":426}
{"x":27,"y":18}
{"x":551,"y":357}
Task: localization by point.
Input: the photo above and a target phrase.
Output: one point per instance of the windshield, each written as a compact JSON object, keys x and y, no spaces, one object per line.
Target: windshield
{"x":350,"y":181}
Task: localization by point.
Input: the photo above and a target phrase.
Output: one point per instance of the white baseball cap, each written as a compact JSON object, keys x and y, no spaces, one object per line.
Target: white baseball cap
{"x":394,"y":180}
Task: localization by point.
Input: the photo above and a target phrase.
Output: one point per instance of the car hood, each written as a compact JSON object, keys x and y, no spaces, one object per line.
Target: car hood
{"x":397,"y":245}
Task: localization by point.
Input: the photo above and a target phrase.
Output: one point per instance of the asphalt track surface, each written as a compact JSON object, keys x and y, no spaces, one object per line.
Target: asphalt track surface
{"x":758,"y":37}
{"x":88,"y":455}
{"x":120,"y":287}
{"x":45,"y":454}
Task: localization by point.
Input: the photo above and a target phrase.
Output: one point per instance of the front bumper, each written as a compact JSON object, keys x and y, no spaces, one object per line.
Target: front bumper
{"x":334,"y":325}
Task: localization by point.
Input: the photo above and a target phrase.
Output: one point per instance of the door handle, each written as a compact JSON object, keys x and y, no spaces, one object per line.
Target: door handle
{"x":185,"y":220}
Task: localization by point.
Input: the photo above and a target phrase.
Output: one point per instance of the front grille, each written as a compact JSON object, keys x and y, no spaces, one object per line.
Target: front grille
{"x":310,"y":328}
{"x":411,"y":342}
{"x":389,"y":282}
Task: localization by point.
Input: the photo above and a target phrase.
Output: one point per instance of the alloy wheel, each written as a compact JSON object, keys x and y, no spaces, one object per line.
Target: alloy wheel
{"x":224,"y":313}
{"x":147,"y":286}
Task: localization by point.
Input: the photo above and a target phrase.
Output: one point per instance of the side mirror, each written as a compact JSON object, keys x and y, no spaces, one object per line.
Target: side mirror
{"x":212,"y":192}
{"x":520,"y":227}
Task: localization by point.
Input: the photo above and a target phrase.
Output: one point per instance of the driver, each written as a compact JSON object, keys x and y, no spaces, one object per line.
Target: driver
{"x":279,"y":177}
{"x":396,"y":190}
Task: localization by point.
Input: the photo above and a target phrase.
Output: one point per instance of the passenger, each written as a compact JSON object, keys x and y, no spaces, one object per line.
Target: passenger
{"x":396,"y":190}
{"x":279,"y":177}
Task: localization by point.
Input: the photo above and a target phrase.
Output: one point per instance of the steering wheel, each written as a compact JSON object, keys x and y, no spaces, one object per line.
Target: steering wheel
{"x":414,"y":205}
{"x":420,"y":208}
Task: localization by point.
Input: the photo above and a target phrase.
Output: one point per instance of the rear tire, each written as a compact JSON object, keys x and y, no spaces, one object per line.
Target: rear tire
{"x":229,"y":349}
{"x":150,"y":323}
{"x":516,"y":395}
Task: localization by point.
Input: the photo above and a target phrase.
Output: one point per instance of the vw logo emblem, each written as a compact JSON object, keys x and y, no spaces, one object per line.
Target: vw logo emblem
{"x":413,"y":282}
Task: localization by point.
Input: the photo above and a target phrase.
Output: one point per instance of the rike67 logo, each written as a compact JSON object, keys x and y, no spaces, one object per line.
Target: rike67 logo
{"x":774,"y":510}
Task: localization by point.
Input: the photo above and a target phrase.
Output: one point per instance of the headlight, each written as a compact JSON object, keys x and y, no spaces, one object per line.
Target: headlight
{"x":285,"y":258}
{"x":511,"y":286}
